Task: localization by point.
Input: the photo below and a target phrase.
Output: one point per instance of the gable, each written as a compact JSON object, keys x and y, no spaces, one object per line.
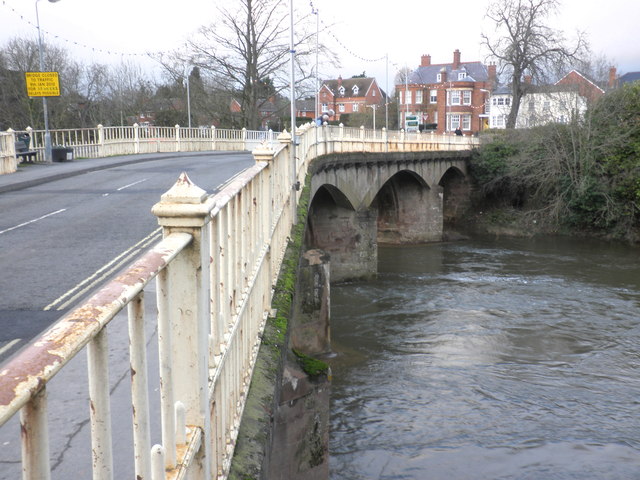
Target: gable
{"x":586,"y":87}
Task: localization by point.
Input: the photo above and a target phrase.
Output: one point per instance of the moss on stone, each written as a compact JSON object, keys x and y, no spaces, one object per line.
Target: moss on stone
{"x":311,"y":366}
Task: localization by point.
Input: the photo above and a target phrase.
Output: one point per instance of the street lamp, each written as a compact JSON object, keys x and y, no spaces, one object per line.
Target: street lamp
{"x":187,"y":75}
{"x":47,"y":134}
{"x":292,"y":99}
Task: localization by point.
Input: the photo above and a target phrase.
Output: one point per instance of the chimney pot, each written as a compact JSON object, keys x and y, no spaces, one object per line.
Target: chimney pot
{"x":456,"y":59}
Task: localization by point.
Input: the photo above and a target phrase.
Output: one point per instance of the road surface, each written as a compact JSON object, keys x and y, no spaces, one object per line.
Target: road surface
{"x":60,"y":240}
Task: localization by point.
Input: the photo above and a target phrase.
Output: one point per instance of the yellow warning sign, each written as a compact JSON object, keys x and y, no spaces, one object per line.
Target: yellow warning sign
{"x":43,"y":84}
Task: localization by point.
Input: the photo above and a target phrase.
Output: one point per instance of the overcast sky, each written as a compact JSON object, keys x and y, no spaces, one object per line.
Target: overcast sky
{"x":105,"y":31}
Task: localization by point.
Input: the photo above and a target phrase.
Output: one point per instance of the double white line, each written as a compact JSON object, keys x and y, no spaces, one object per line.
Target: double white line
{"x":88,"y":283}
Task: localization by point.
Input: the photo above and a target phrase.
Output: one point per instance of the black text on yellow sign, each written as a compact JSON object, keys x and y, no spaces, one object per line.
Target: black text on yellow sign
{"x":42,"y":84}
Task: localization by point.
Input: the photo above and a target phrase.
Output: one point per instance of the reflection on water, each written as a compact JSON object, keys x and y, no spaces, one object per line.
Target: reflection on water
{"x":510,"y":359}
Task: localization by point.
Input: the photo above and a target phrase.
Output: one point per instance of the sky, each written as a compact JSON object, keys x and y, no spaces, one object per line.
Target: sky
{"x":367,"y":38}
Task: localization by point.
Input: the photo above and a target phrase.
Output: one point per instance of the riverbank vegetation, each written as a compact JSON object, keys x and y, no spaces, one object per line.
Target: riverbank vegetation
{"x":581,"y":177}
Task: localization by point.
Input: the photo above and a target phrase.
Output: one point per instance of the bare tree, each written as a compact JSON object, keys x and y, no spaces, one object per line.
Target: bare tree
{"x":249,"y":47}
{"x":524,"y":44}
{"x":128,"y":91}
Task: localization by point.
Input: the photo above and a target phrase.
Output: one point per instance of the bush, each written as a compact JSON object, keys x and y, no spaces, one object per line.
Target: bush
{"x":583,"y":175}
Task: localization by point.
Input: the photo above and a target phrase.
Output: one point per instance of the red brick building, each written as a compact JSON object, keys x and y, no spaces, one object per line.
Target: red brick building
{"x":586,"y":87}
{"x":351,"y":95}
{"x":446,"y":96}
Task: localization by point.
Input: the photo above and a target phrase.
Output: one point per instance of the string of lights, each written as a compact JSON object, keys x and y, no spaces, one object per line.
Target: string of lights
{"x":74,"y":43}
{"x":107,"y":51}
{"x":314,"y":11}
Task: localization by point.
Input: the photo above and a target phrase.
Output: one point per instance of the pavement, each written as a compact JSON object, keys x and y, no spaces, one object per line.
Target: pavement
{"x":32,"y":174}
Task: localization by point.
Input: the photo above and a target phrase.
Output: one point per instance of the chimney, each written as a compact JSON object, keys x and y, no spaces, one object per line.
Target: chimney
{"x":456,"y":59}
{"x":443,"y":74}
{"x":527,"y":79}
{"x":425,"y":60}
{"x":492,"y":74}
{"x":339,"y":81}
{"x":613,"y":78}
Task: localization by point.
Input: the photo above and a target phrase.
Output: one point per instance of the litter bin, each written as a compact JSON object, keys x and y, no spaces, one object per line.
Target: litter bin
{"x":61,"y":154}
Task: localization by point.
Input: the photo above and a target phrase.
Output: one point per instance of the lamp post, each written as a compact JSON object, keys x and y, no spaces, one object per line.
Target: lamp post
{"x":47,"y":134}
{"x":294,"y":173}
{"x":316,"y":12}
{"x":406,"y":95}
{"x":187,"y":75}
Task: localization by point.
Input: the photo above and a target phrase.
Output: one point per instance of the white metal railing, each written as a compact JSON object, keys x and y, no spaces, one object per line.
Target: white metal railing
{"x":214,"y":271}
{"x":102,"y":141}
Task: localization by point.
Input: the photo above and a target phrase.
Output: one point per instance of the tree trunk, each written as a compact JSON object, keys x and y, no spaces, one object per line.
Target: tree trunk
{"x":516,"y":90}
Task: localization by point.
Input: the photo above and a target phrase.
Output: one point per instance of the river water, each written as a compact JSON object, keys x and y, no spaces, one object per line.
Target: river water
{"x":489,"y":359}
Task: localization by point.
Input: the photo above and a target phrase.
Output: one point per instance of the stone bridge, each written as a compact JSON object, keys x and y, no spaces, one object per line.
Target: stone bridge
{"x":361,"y":200}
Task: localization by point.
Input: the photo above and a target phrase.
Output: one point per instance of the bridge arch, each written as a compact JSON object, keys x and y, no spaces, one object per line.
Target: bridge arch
{"x":407,"y":209}
{"x":346,"y":233}
{"x":360,"y":200}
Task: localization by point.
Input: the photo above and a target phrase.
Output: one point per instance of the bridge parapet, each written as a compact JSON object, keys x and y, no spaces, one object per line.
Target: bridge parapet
{"x":214,"y":271}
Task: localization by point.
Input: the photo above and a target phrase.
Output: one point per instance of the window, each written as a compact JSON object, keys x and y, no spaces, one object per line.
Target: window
{"x":325,"y":108}
{"x":433,"y":96}
{"x":355,"y":90}
{"x":408,"y":98}
{"x":418,"y":96}
{"x":356,"y":107}
{"x":341,"y":90}
{"x":454,"y":97}
{"x":341,"y":107}
{"x":373,"y":93}
{"x":466,"y":97}
{"x":507,"y":101}
{"x":454,"y":121}
{"x":494,"y":101}
{"x":532,"y":105}
{"x":546,"y":105}
{"x":439,"y":77}
{"x":462,"y":75}
{"x":501,"y":101}
{"x":466,"y":122}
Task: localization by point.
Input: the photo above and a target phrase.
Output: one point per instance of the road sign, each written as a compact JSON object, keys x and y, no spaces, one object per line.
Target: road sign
{"x":42,"y":84}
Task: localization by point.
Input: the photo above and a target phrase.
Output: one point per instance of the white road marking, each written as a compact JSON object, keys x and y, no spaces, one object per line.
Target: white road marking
{"x":8,"y":346}
{"x":131,"y":184}
{"x":33,"y":221}
{"x":126,"y":186}
{"x":83,"y":287}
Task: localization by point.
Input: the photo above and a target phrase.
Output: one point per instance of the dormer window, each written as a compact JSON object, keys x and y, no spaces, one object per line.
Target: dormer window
{"x":439,"y":77}
{"x":462,"y":75}
{"x":355,"y":90}
{"x":341,"y":90}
